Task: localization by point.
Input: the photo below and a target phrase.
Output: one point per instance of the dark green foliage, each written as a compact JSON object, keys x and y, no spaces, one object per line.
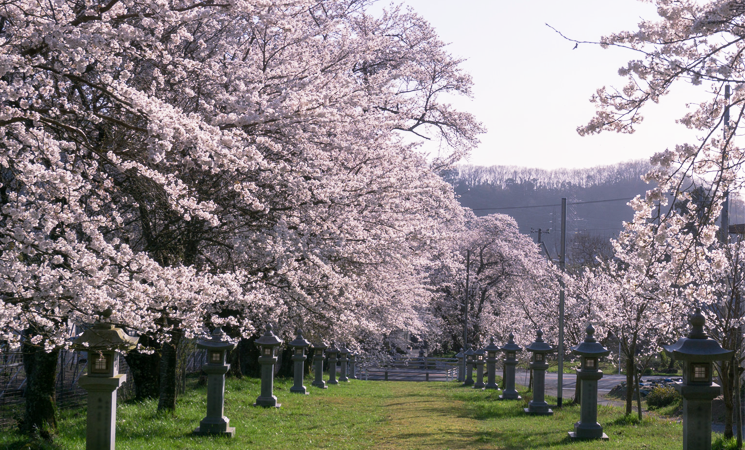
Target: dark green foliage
{"x":722,"y":443}
{"x":662,"y":396}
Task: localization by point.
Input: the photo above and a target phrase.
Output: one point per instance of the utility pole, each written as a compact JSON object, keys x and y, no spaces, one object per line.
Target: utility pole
{"x":541,"y":244}
{"x":562,"y":263}
{"x":724,"y":238}
{"x":465,"y":308}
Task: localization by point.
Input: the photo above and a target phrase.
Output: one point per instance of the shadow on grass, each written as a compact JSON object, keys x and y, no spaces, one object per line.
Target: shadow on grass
{"x":516,"y":441}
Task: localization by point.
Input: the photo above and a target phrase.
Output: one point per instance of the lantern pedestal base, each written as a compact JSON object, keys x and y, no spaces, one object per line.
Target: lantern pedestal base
{"x":320,"y":385}
{"x":585,"y":431}
{"x":267,"y":402}
{"x":300,"y":390}
{"x":573,"y":436}
{"x":548,"y":412}
{"x":508,"y":396}
{"x":215,"y":427}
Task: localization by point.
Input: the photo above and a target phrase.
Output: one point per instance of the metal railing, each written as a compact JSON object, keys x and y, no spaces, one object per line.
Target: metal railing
{"x":410,"y":369}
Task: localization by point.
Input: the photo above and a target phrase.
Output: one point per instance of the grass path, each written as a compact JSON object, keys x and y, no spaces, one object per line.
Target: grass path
{"x":362,"y":415}
{"x":418,"y":416}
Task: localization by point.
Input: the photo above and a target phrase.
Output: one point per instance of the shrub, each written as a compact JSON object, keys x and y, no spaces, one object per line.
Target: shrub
{"x":662,"y":396}
{"x":723,"y":443}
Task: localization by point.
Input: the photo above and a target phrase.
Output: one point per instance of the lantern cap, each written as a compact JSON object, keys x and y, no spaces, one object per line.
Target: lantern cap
{"x":460,"y":354}
{"x":480,"y":351}
{"x":269,"y":339}
{"x":217,"y":341}
{"x":343,"y":349}
{"x":539,"y":346}
{"x":510,"y":346}
{"x":698,"y":346}
{"x":332,"y":349}
{"x":104,"y":336}
{"x":492,"y":347}
{"x":299,"y":340}
{"x":320,"y":345}
{"x":590,"y":347}
{"x":470,"y":351}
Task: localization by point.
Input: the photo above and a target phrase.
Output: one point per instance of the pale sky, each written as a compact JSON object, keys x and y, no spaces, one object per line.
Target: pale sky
{"x":532,"y":90}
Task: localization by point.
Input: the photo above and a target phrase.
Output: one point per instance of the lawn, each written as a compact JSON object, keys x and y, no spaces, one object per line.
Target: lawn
{"x":363,"y":415}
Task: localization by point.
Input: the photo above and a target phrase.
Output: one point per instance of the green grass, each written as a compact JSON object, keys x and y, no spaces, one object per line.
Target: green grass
{"x":364,"y":415}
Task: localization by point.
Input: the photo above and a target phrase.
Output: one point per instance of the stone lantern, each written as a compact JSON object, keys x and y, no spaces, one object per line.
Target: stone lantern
{"x":510,"y":350}
{"x":540,"y":350}
{"x":217,"y":347}
{"x":298,"y":356}
{"x":588,"y":375}
{"x":491,"y":365}
{"x":318,"y":349}
{"x":461,"y":365}
{"x":479,"y":362}
{"x":102,"y":380}
{"x":698,"y":352}
{"x":352,"y":360}
{"x":343,"y":359}
{"x":469,"y":354}
{"x":332,"y":352}
{"x":267,"y":344}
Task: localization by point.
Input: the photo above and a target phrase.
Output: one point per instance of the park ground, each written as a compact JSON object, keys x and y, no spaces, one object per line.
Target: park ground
{"x":363,"y":415}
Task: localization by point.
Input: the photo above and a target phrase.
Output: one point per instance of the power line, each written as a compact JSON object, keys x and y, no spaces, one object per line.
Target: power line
{"x":557,"y":204}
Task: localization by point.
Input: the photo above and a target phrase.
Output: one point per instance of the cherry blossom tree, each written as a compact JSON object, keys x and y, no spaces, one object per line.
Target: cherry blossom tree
{"x":191,"y":164}
{"x":511,"y":284}
{"x":671,"y":253}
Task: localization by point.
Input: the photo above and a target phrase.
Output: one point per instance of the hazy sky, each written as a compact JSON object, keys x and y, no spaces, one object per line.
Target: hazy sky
{"x":532,"y":89}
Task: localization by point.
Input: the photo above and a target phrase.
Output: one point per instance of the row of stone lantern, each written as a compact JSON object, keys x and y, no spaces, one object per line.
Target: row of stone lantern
{"x":103,"y":379}
{"x":697,"y":351}
{"x":488,"y":356}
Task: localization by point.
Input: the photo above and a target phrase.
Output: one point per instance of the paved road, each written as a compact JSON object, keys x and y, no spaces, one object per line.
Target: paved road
{"x":605,"y":384}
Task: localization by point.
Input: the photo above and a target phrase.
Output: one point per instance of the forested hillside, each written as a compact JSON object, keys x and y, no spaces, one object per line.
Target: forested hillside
{"x":533,"y":198}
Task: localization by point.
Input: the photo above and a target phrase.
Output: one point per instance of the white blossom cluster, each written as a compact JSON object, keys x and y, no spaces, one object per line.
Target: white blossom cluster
{"x":191,"y":164}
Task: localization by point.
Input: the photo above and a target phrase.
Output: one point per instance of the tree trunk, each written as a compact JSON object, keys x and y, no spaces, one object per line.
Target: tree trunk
{"x":234,"y":359}
{"x":286,"y":364}
{"x":168,"y":385}
{"x":145,"y":370}
{"x":630,"y":369}
{"x":249,"y":354}
{"x":637,"y":386}
{"x":41,"y":373}
{"x":726,"y":380}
